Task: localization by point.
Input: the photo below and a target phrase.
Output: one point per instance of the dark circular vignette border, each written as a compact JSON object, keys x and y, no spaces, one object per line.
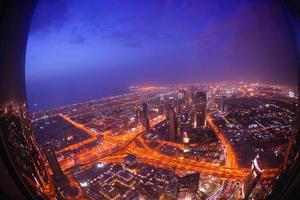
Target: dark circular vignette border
{"x":15,"y":16}
{"x":286,"y":187}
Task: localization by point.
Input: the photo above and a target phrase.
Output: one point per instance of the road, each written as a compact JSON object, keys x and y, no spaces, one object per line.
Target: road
{"x":231,"y":158}
{"x":115,"y":148}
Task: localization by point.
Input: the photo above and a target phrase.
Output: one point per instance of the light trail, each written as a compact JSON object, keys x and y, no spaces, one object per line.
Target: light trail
{"x":124,"y":144}
{"x":231,"y":158}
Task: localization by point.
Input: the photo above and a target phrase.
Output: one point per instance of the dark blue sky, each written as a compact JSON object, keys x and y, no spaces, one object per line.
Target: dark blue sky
{"x":81,"y":50}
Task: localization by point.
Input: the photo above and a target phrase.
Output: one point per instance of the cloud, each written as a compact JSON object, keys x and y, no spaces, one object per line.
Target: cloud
{"x":50,"y":15}
{"x":77,"y":39}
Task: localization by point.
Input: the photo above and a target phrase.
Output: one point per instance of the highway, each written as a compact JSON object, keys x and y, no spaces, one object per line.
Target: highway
{"x":231,"y":158}
{"x":115,"y":148}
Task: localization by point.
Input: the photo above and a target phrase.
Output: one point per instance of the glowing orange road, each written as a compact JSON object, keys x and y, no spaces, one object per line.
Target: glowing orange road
{"x":81,"y":127}
{"x":124,"y":144}
{"x":118,"y":141}
{"x":159,"y":160}
{"x":231,"y":158}
{"x":78,"y":125}
{"x":179,"y":165}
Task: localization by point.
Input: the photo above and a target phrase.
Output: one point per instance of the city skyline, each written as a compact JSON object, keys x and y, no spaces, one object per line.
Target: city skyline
{"x":78,"y":51}
{"x":180,"y":142}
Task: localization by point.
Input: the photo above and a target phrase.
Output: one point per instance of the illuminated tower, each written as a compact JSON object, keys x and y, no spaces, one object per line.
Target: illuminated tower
{"x":58,"y":174}
{"x":182,"y":97}
{"x":188,"y":186}
{"x":137,"y":115}
{"x":172,"y":124}
{"x":161,"y":109}
{"x":200,"y":108}
{"x":146,"y":117}
{"x":125,"y":123}
{"x":252,"y":179}
{"x":186,"y":141}
{"x":223,"y":108}
{"x":192,"y":91}
{"x":24,"y":154}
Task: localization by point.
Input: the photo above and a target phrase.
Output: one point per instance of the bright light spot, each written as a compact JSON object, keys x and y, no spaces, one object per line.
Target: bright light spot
{"x":100,"y":165}
{"x":84,"y":184}
{"x":186,"y":140}
{"x":291,"y":94}
{"x":188,"y":197}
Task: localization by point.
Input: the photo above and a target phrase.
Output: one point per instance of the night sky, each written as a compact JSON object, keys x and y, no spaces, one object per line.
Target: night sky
{"x":82,"y":50}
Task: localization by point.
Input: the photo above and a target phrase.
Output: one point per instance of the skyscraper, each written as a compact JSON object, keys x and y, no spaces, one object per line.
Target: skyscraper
{"x":161,"y":109}
{"x":24,"y":154}
{"x":58,"y":174}
{"x":223,"y":107}
{"x":182,"y":97}
{"x":200,"y":108}
{"x":252,"y":179}
{"x":172,"y":124}
{"x":188,"y":185}
{"x":192,"y":94}
{"x":146,"y":117}
{"x":137,"y":114}
{"x":125,"y":123}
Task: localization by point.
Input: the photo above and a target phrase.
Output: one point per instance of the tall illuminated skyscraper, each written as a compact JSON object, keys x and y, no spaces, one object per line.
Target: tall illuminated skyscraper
{"x":172,"y":124}
{"x":125,"y":123}
{"x":200,"y":109}
{"x":223,"y":107}
{"x":146,"y":117}
{"x":137,"y":114}
{"x":182,"y":96}
{"x":252,"y":179}
{"x":23,"y":151}
{"x":58,"y":174}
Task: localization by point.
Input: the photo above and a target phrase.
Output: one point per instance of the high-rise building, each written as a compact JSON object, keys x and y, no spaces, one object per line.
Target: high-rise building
{"x":125,"y":123}
{"x":145,"y":110}
{"x":161,"y":109}
{"x":188,"y":186}
{"x":137,"y":115}
{"x":182,"y":96}
{"x":192,"y":94}
{"x":221,"y":103}
{"x":130,"y":161}
{"x":172,"y":124}
{"x":178,"y":126}
{"x":146,"y":117}
{"x":252,"y":179}
{"x":58,"y":174}
{"x":22,"y":150}
{"x":181,"y":101}
{"x":224,"y":107}
{"x":200,"y":109}
{"x":186,"y":141}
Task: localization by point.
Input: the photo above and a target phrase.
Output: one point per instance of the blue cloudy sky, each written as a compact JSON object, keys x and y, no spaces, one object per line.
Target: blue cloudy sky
{"x":86,"y":49}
